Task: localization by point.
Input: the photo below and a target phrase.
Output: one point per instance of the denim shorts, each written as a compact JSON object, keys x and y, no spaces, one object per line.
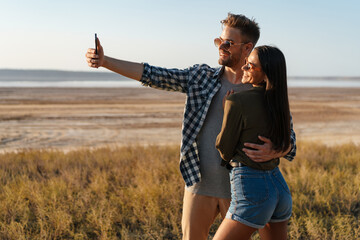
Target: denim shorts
{"x":258,"y":197}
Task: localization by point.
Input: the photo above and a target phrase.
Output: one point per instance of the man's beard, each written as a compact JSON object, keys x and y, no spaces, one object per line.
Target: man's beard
{"x":229,"y":62}
{"x":225,"y":62}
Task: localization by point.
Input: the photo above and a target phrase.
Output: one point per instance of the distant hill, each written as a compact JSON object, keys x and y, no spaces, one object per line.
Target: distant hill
{"x":56,"y":75}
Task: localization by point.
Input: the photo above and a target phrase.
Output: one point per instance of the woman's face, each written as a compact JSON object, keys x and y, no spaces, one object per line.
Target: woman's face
{"x":253,"y":73}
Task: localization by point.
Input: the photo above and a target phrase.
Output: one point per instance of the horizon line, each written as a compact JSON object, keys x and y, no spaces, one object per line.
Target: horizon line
{"x":108,"y":71}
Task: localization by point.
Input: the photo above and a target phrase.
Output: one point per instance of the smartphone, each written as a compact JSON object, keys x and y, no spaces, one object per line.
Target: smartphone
{"x":96,"y":52}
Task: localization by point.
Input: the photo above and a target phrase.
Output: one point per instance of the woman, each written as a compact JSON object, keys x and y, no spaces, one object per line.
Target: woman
{"x":260,"y":196}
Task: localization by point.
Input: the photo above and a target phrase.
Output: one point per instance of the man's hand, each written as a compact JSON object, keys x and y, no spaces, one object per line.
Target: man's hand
{"x":95,"y":60}
{"x":264,"y":152}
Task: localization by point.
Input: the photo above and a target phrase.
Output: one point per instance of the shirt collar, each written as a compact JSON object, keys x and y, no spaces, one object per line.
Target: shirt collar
{"x":219,"y":72}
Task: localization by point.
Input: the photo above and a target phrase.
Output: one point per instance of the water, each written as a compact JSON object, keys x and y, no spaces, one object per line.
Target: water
{"x":57,"y":79}
{"x":311,"y":83}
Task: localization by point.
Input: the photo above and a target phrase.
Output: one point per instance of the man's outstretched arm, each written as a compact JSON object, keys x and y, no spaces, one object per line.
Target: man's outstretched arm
{"x":155,"y":77}
{"x":128,"y":69}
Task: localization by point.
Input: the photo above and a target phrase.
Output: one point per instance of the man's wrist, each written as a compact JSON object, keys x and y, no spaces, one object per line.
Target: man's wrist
{"x":105,"y":63}
{"x":283,"y":154}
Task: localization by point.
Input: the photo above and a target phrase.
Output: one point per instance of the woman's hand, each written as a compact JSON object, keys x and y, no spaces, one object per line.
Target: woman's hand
{"x":228,"y":93}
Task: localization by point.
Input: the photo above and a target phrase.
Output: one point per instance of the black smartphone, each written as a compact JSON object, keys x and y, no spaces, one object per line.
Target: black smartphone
{"x":96,"y":44}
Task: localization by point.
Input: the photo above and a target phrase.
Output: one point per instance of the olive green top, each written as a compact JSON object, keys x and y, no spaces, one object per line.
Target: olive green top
{"x":245,"y":118}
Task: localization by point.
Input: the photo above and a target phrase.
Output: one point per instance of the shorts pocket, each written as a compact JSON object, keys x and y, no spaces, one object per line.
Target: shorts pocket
{"x":282,"y":181}
{"x":254,"y":188}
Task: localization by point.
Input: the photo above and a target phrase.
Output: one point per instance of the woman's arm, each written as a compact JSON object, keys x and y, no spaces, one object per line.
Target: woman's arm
{"x":228,"y":138}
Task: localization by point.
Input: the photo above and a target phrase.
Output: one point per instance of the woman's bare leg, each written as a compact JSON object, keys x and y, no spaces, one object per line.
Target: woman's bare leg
{"x":274,"y":231}
{"x":231,"y":229}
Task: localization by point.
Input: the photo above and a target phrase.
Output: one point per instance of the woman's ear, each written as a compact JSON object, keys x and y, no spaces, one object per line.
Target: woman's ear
{"x":266,"y":79}
{"x":268,"y":85}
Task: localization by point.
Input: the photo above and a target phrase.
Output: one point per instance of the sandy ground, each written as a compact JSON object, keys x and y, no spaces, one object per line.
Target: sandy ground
{"x":69,"y":118}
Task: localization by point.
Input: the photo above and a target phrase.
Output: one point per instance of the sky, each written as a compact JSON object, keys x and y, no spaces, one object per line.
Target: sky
{"x":318,"y":37}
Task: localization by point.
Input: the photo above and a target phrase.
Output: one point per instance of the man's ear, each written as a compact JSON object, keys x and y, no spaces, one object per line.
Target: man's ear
{"x":249,"y":47}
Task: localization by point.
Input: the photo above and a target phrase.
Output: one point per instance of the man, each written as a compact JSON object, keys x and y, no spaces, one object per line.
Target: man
{"x":207,"y":190}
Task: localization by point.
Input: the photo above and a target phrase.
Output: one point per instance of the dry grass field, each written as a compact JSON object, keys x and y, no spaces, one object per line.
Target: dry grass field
{"x":136,"y":193}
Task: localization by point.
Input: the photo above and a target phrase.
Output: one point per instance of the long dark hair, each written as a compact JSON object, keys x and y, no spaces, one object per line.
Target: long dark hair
{"x":273,"y":64}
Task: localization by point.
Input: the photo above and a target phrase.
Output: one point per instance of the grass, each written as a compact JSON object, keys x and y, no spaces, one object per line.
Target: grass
{"x":136,"y":193}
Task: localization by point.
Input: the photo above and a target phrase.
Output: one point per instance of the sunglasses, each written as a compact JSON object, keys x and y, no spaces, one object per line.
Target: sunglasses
{"x":250,"y":66}
{"x":225,"y":43}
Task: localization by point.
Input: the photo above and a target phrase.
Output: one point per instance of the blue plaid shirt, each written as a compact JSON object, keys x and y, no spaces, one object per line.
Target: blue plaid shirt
{"x":200,"y":83}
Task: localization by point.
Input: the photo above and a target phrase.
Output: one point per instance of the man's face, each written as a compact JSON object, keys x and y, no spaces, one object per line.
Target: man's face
{"x":234,"y":56}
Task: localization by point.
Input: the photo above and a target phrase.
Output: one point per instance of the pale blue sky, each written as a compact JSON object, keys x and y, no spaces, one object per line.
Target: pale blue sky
{"x":318,"y":38}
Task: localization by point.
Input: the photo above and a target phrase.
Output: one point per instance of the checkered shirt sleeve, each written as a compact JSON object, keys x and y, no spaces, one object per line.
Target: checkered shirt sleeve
{"x":165,"y":79}
{"x":291,"y":155}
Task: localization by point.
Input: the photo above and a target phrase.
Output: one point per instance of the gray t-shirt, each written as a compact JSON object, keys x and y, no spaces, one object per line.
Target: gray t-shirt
{"x":214,"y":178}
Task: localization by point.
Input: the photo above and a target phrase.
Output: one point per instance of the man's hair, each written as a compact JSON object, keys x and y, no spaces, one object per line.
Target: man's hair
{"x":248,"y":27}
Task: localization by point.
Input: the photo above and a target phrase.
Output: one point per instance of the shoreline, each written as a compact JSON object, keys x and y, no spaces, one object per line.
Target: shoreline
{"x":295,"y":83}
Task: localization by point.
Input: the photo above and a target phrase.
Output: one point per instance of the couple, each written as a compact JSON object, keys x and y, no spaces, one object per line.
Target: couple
{"x":263,"y":200}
